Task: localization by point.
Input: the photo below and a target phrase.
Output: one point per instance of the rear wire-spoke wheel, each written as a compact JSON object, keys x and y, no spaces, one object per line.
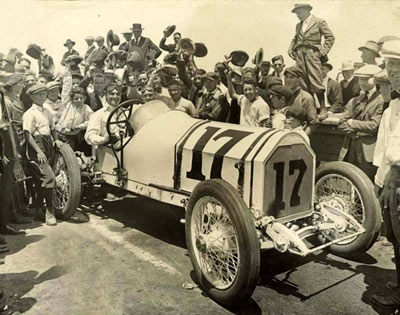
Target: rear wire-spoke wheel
{"x":346,"y":188}
{"x":222,"y":242}
{"x":67,"y":191}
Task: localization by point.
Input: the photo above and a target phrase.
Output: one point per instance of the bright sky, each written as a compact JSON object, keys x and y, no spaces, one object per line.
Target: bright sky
{"x":223,"y":26}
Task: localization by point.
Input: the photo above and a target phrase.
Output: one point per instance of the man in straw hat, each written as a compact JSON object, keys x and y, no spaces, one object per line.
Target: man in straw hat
{"x":361,"y":118}
{"x":128,"y":37}
{"x":306,"y":48}
{"x":349,"y":85}
{"x":147,"y":49}
{"x":387,"y":179}
{"x":90,"y":48}
{"x":369,"y":52}
{"x":70,"y":52}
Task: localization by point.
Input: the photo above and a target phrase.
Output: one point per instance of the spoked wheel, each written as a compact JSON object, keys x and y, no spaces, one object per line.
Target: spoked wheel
{"x":222,"y":242}
{"x":346,"y":188}
{"x":67,"y":192}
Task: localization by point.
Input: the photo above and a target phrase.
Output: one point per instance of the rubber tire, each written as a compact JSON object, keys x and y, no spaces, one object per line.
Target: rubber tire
{"x":372,"y":213}
{"x":249,"y":250}
{"x":74,"y":175}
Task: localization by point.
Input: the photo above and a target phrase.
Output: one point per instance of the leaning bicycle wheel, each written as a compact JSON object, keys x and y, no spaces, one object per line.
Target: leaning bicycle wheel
{"x":67,"y":192}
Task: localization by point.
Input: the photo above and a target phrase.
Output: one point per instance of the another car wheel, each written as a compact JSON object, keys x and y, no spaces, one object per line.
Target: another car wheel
{"x":346,"y":187}
{"x":222,"y":242}
{"x":67,"y":192}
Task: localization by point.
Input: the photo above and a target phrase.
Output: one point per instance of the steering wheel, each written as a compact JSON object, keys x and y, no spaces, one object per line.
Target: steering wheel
{"x":119,"y":116}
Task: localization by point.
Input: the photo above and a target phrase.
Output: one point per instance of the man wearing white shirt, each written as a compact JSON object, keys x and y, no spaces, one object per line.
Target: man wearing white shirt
{"x":180,"y":103}
{"x":387,"y":179}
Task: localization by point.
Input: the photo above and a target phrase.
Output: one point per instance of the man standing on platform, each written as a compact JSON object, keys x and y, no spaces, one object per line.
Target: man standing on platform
{"x":307,"y":50}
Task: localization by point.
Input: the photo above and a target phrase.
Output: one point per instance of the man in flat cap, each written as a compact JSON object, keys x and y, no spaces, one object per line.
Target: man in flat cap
{"x":128,"y":37}
{"x":361,"y":118}
{"x":280,"y":99}
{"x":369,"y":52}
{"x":306,"y":48}
{"x":213,"y":104}
{"x":90,"y":48}
{"x":70,"y":52}
{"x":180,"y":103}
{"x":349,"y":85}
{"x":387,"y":179}
{"x":146,"y":48}
{"x":333,"y":95}
{"x":293,"y":78}
{"x":100,"y":43}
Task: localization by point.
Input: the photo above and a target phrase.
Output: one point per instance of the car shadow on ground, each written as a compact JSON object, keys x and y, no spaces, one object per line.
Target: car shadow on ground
{"x":375,"y":278}
{"x":151,"y":217}
{"x":17,"y":285}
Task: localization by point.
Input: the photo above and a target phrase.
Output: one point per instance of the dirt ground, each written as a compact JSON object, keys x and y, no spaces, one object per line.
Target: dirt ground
{"x":130,"y":257}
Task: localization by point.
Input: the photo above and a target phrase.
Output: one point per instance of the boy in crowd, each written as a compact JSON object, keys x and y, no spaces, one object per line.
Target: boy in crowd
{"x":254,"y":111}
{"x":38,"y":127}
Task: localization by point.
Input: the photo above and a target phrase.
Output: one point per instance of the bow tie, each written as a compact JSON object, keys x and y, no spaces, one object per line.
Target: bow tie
{"x":394,"y":95}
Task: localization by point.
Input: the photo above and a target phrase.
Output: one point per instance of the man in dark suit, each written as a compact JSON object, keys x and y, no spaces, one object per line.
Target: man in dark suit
{"x":70,"y":52}
{"x":146,"y":48}
{"x":170,"y":47}
{"x":306,"y":48}
{"x":361,"y":119}
{"x":333,"y":93}
{"x":349,"y":85}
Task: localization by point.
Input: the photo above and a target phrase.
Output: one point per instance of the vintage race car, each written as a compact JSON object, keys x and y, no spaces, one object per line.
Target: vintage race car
{"x":243,"y":189}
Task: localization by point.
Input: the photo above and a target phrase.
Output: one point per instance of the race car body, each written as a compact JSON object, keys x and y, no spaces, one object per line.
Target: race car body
{"x":176,"y":152}
{"x":243,"y":190}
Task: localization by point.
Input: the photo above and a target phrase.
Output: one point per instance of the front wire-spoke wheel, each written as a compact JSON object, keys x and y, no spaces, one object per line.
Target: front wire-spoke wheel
{"x":222,"y":242}
{"x":67,"y":191}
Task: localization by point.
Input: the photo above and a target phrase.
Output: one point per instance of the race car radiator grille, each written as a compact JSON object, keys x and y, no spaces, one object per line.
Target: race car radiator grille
{"x":288,"y":186}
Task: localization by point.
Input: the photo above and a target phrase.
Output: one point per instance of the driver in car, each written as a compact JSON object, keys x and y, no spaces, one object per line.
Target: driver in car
{"x":96,"y":132}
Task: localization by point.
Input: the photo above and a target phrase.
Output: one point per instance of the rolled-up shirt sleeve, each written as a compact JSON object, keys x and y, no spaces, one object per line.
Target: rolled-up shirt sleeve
{"x":93,"y":131}
{"x":28,"y":122}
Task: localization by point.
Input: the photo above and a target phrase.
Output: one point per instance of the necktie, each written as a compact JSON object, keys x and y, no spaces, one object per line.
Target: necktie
{"x":360,"y":106}
{"x":345,"y":83}
{"x":394,"y":95}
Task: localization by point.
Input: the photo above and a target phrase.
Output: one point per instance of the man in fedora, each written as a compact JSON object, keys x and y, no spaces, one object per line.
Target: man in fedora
{"x":90,"y":48}
{"x":70,"y":52}
{"x":349,"y":85}
{"x":333,"y":95}
{"x":369,"y":52}
{"x":125,"y":45}
{"x":307,"y":49}
{"x":147,"y":49}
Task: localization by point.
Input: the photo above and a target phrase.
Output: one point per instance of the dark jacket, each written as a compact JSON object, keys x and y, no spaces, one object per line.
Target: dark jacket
{"x":170,"y":47}
{"x":334,"y":96}
{"x":352,"y":90}
{"x":92,"y":99}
